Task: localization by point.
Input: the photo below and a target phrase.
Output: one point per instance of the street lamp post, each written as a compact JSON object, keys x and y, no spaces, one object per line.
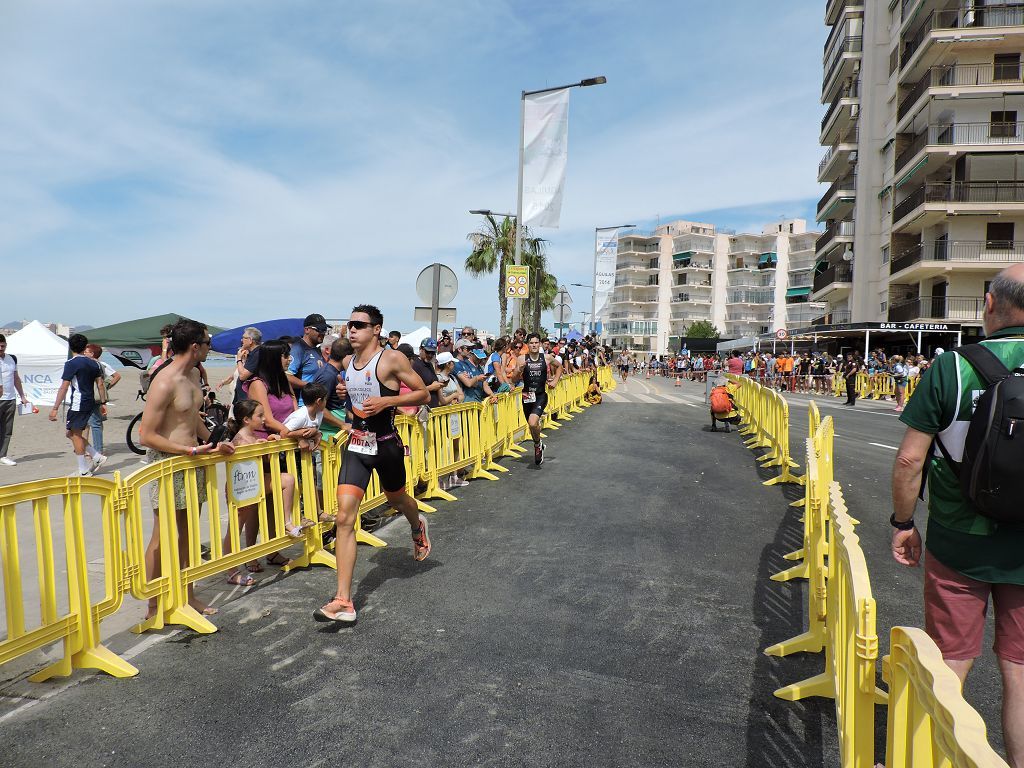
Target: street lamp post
{"x":593,"y":292}
{"x":517,"y":303}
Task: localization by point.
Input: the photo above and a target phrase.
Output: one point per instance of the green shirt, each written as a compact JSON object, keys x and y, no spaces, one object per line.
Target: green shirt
{"x":942,"y":405}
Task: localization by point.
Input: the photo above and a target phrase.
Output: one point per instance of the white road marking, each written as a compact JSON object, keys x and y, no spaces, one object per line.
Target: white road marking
{"x":646,"y":399}
{"x":883,"y":445}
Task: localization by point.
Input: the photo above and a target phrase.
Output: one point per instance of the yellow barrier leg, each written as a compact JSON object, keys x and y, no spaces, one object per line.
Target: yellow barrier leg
{"x":811,"y":641}
{"x":99,"y":658}
{"x":798,"y":571}
{"x":820,"y":685}
{"x":362,"y":537}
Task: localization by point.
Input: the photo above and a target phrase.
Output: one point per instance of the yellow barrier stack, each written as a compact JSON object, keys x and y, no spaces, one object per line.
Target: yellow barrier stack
{"x":929,"y":722}
{"x":765,"y":417}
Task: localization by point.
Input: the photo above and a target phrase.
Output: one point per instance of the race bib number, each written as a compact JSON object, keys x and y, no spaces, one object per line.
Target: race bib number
{"x":363,"y":442}
{"x":529,"y":397}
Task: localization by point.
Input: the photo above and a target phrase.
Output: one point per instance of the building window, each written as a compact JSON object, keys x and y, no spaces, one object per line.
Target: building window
{"x":1004,"y":124}
{"x":885,"y":254}
{"x":1006,"y":67}
{"x":999,"y":236}
{"x":883,"y":306}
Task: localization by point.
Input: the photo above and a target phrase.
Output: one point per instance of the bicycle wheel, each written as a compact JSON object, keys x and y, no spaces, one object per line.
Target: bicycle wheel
{"x":132,"y":435}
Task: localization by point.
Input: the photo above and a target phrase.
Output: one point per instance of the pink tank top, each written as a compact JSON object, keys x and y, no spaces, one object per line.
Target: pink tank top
{"x":280,"y":408}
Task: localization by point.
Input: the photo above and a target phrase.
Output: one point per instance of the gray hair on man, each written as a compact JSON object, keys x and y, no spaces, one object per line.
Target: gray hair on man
{"x":1008,"y":291}
{"x":253,"y":333}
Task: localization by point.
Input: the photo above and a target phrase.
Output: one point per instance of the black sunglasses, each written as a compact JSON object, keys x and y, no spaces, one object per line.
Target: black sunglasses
{"x":358,"y":324}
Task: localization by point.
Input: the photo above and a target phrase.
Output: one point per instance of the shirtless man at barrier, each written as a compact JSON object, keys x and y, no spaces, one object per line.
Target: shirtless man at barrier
{"x":171,"y":426}
{"x":372,"y":380}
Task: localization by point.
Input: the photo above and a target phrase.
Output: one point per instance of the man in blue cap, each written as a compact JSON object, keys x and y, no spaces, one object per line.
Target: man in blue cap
{"x":424,"y":367}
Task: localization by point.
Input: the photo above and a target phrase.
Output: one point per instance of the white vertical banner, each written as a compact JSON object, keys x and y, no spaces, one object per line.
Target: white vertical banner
{"x":606,"y":251}
{"x":545,"y":150}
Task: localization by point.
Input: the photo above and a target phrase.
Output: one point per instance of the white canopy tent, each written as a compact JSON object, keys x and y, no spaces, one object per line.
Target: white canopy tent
{"x":41,"y":356}
{"x":413,"y":338}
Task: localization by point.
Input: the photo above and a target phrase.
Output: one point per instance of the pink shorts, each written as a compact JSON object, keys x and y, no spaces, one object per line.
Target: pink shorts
{"x":954,"y":613}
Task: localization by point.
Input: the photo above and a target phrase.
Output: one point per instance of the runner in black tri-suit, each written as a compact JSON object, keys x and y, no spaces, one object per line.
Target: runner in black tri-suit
{"x":372,"y":379}
{"x":538,"y":371}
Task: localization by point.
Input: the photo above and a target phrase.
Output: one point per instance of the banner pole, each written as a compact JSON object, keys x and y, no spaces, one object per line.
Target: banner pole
{"x":517,"y":303}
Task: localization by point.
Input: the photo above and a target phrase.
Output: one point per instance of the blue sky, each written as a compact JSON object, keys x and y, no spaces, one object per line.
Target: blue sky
{"x":242,"y":161}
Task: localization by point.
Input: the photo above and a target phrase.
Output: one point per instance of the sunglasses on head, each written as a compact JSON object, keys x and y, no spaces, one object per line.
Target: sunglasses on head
{"x":358,"y":325}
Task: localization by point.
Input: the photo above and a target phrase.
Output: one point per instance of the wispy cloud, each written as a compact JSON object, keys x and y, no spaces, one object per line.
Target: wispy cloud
{"x":236,"y":162}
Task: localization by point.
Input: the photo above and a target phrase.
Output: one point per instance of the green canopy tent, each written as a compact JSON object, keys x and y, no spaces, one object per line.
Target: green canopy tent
{"x":134,"y":342}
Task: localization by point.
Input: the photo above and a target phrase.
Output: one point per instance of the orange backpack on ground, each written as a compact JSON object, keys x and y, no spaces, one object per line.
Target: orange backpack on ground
{"x":720,"y":402}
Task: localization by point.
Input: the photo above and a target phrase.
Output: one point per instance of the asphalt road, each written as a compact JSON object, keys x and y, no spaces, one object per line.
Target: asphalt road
{"x":608,"y":608}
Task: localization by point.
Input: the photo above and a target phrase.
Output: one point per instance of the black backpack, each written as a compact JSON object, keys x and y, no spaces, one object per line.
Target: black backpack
{"x":991,"y":470}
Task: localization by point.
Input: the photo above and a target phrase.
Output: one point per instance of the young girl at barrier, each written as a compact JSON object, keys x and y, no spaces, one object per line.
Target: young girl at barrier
{"x":242,"y":427}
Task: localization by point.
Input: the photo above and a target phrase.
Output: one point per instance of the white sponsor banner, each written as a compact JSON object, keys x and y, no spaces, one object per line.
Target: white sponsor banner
{"x":545,"y":149}
{"x":40,"y":384}
{"x":607,"y":249}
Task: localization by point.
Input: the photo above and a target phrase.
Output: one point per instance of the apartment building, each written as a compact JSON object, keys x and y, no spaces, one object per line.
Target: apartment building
{"x":924,"y":159}
{"x":685,"y":271}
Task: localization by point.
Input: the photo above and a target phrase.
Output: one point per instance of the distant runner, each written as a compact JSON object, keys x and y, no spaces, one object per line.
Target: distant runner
{"x":623,"y":363}
{"x":537,"y":370}
{"x":372,"y":380}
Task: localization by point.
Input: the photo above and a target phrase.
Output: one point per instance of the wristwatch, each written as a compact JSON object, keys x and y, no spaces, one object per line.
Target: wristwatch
{"x":904,"y":526}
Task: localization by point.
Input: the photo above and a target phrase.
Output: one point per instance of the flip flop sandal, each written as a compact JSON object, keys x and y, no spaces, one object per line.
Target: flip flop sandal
{"x":277,"y":559}
{"x":241,"y":580}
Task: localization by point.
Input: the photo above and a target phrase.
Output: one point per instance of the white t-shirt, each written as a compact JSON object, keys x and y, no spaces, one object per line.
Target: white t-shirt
{"x":301,"y":419}
{"x":7,"y":369}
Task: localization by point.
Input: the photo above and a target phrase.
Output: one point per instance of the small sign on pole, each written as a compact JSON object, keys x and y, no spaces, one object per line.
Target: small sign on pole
{"x":517,"y":282}
{"x":781,"y":334}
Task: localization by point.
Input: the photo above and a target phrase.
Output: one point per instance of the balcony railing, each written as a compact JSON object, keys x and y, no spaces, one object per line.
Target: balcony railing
{"x":847,"y":182}
{"x":837,"y":273}
{"x":838,"y":229}
{"x":849,"y":91}
{"x":967,"y":17}
{"x":961,"y":134}
{"x":850,"y":45}
{"x":959,"y":251}
{"x":835,"y":317}
{"x":959,"y":76}
{"x":957,"y":308}
{"x":799,"y":263}
{"x":801,"y":280}
{"x":849,"y":136}
{"x":961,"y":192}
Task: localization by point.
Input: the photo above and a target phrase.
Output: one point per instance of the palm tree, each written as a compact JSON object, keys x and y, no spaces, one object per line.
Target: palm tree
{"x":494,"y":248}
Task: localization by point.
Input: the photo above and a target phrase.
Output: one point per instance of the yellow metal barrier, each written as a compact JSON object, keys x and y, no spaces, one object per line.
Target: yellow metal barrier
{"x":929,"y":722}
{"x":851,"y":642}
{"x":78,"y":628}
{"x":469,"y":436}
{"x":180,"y":561}
{"x":765,"y":417}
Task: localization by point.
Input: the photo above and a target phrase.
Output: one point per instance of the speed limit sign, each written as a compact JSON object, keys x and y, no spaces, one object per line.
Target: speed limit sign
{"x":781,"y":334}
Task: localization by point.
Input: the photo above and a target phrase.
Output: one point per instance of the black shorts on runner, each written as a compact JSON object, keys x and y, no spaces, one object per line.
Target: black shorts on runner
{"x":78,"y":420}
{"x":537,"y":407}
{"x":389,"y":464}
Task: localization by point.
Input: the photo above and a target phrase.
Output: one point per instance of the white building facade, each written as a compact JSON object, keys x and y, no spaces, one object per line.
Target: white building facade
{"x":925,"y":158}
{"x":684,"y":272}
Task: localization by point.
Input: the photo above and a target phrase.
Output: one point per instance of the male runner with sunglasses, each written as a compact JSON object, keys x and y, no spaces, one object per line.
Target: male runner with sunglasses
{"x":372,"y":380}
{"x":537,"y":370}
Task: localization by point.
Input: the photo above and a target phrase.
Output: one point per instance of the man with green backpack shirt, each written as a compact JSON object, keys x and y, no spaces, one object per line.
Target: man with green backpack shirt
{"x":975,"y":542}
